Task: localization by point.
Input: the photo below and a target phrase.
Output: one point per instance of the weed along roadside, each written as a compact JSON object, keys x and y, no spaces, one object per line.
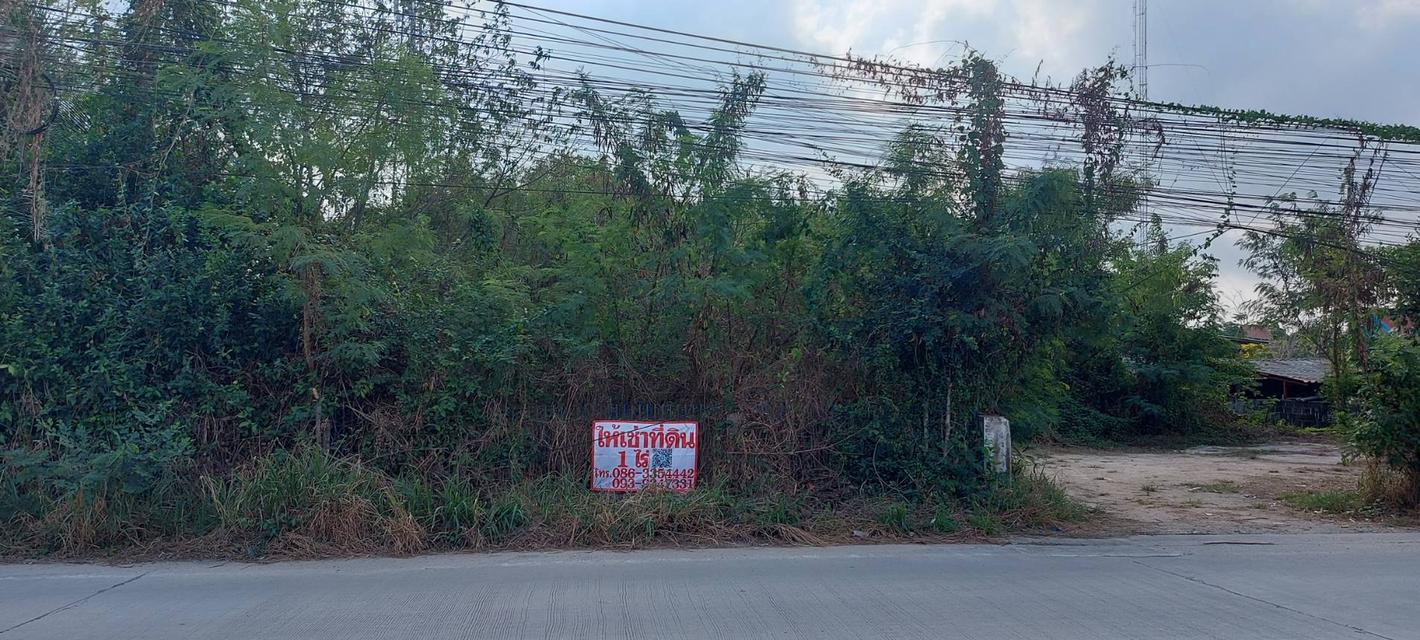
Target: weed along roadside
{"x":306,"y":503}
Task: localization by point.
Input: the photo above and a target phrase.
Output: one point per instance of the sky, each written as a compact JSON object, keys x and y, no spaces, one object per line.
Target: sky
{"x":1355,"y":59}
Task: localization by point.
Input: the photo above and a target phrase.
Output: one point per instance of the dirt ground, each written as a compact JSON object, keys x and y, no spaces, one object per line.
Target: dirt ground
{"x":1207,"y":489}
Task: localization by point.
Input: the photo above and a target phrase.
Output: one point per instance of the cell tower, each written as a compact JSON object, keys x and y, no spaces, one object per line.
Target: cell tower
{"x":1141,"y":48}
{"x":1141,"y":90}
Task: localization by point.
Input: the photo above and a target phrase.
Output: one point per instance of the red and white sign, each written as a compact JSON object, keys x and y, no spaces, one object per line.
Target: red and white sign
{"x":629,"y":455}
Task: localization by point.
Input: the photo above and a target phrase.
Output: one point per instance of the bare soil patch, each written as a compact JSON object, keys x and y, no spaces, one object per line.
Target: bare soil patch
{"x":1208,"y":489}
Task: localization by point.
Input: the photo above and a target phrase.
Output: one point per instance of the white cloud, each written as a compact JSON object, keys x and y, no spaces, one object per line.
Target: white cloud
{"x":837,"y":28}
{"x":911,"y":29}
{"x":1384,"y":13}
{"x":1064,"y":35}
{"x":1058,"y":33}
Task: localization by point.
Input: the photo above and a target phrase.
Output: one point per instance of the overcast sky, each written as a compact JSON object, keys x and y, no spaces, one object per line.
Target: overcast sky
{"x":1345,"y":58}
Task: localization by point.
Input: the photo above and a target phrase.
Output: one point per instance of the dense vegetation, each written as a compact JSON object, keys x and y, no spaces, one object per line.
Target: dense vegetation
{"x":278,"y":271}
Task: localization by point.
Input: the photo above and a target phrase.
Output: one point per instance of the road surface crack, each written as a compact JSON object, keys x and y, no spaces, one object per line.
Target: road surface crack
{"x":73,"y":604}
{"x":1262,"y":600}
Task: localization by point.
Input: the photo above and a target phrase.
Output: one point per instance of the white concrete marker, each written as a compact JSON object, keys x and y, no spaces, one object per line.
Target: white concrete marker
{"x":996,"y":434}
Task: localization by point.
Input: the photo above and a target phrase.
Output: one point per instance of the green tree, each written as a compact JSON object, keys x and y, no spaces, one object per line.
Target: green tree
{"x":1181,"y":365}
{"x":1318,"y":278}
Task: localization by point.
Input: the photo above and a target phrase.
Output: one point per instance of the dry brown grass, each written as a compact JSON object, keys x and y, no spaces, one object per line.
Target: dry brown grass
{"x":1389,"y":488}
{"x":79,"y":523}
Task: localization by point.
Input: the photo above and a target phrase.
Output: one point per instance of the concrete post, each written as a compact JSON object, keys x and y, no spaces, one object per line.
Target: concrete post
{"x":996,"y":435}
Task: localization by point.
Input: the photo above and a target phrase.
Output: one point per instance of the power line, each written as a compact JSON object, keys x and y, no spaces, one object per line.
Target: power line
{"x":844,"y":131}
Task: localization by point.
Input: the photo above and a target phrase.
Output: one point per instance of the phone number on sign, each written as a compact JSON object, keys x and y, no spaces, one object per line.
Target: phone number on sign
{"x":633,"y":478}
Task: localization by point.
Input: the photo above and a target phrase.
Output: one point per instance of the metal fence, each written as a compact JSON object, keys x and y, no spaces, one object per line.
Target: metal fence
{"x":1302,"y":412}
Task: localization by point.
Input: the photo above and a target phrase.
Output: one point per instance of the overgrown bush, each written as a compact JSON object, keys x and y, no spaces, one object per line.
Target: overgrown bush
{"x":1164,"y":367}
{"x":1388,"y":427}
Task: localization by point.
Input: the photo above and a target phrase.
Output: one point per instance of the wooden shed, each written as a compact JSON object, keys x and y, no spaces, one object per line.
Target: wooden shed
{"x":1289,"y":378}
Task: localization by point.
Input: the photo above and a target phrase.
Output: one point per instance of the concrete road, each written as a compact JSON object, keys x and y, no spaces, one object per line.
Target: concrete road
{"x":1230,"y":588}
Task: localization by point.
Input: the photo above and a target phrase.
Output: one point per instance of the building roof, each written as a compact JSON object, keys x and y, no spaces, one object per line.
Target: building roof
{"x":1309,"y":370}
{"x":1252,"y":334}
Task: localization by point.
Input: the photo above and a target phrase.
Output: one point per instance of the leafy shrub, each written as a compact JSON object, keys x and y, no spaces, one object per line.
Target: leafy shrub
{"x":106,"y":500}
{"x":1389,"y":423}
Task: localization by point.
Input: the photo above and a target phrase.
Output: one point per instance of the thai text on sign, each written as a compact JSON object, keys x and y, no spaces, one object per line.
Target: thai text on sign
{"x":631,"y":455}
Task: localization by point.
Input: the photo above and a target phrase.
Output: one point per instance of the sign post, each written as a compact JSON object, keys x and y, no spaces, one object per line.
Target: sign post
{"x":629,"y":455}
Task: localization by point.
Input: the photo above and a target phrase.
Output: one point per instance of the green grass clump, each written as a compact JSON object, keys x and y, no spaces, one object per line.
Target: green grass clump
{"x":944,"y":521}
{"x":1333,"y":502}
{"x":897,"y":518}
{"x":1222,"y":486}
{"x":308,"y":501}
{"x":987,"y":523}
